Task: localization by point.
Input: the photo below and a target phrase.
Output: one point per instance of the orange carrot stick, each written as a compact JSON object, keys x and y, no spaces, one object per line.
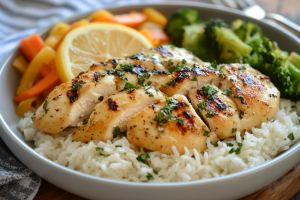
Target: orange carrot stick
{"x":31,"y":45}
{"x":159,"y":35}
{"x":49,"y":80}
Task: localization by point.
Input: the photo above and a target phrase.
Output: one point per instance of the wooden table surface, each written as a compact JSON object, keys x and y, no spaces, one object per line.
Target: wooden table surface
{"x":282,"y":189}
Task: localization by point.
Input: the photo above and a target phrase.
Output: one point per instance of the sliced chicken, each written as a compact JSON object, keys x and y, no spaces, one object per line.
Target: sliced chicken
{"x":115,"y":111}
{"x":170,"y":122}
{"x":181,"y":82}
{"x":218,"y":110}
{"x":158,"y":58}
{"x":255,"y":96}
{"x":73,"y":101}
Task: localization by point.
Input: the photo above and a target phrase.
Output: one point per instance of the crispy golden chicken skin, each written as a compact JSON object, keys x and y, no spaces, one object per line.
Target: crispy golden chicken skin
{"x":116,"y":110}
{"x":151,"y":129}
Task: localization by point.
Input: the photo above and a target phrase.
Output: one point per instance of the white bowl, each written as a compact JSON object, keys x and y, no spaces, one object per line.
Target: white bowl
{"x":228,"y":187}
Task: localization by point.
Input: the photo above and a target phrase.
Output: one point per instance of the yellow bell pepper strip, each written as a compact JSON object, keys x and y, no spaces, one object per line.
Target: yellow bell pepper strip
{"x":20,"y":64}
{"x":155,"y":16}
{"x":24,"y":106}
{"x":101,"y":14}
{"x":51,"y":79}
{"x":44,"y":56}
{"x":59,"y":29}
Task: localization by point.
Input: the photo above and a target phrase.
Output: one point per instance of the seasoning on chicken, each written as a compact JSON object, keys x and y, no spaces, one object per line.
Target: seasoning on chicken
{"x":170,"y":122}
{"x":115,"y":111}
{"x":218,"y":110}
{"x":163,"y":58}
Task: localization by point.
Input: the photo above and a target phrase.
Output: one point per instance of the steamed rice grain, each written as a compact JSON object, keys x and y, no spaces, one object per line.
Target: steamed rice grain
{"x":261,"y":145}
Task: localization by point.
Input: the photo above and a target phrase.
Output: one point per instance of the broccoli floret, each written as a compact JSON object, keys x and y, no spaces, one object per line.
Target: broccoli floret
{"x":195,"y":40}
{"x":178,"y":20}
{"x":222,"y":37}
{"x":294,"y":68}
{"x":248,"y":32}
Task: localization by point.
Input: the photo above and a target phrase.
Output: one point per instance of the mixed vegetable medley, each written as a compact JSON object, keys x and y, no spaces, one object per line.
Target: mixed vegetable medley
{"x":212,"y":41}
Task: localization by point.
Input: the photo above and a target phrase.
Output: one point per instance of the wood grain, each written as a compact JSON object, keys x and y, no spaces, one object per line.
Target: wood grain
{"x":282,"y":189}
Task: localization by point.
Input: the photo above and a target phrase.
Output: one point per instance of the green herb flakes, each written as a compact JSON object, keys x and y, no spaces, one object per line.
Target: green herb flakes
{"x":101,"y":98}
{"x":45,"y":107}
{"x":209,"y":90}
{"x":186,"y":104}
{"x":234,"y":130}
{"x":154,"y":171}
{"x":165,"y":113}
{"x":241,"y":67}
{"x":116,"y":131}
{"x":85,"y":121}
{"x":205,"y":132}
{"x":127,"y":84}
{"x":213,"y":143}
{"x":99,"y":149}
{"x":104,"y":155}
{"x":179,"y":120}
{"x":210,"y":114}
{"x":229,"y":144}
{"x":150,"y":176}
{"x":118,"y":146}
{"x":202,"y":105}
{"x":291,"y":136}
{"x":227,"y":91}
{"x":142,"y":158}
{"x":194,"y":79}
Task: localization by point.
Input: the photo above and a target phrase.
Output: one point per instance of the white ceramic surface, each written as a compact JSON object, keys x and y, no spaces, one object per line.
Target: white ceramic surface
{"x":228,"y":187}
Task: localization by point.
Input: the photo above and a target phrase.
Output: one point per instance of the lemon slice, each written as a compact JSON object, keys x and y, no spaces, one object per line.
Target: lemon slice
{"x":94,"y":43}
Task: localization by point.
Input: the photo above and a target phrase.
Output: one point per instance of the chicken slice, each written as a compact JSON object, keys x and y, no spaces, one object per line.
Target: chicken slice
{"x":170,"y":122}
{"x":255,"y":96}
{"x":72,"y":101}
{"x":114,"y":111}
{"x":181,"y":82}
{"x":158,"y":58}
{"x":219,"y":111}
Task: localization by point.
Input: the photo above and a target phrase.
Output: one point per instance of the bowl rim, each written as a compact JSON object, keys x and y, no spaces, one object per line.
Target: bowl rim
{"x":13,"y":137}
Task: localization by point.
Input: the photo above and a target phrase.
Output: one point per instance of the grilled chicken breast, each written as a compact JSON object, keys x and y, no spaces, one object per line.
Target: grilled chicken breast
{"x":218,"y":111}
{"x":158,"y":58}
{"x":116,"y":110}
{"x":151,"y":129}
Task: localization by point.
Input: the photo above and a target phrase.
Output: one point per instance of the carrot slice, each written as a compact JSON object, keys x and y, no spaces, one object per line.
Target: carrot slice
{"x":131,"y":19}
{"x":31,"y":45}
{"x":49,"y":80}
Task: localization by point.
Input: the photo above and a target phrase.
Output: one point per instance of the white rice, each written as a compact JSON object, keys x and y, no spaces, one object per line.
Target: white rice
{"x":259,"y":146}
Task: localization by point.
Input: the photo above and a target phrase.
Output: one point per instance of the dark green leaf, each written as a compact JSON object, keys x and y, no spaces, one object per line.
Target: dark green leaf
{"x":85,"y":121}
{"x":116,"y":132}
{"x":118,"y":146}
{"x":202,"y":105}
{"x":149,"y":176}
{"x":210,"y":114}
{"x":101,"y":98}
{"x":230,"y":144}
{"x":291,"y":136}
{"x":179,"y":120}
{"x":234,"y":130}
{"x":194,"y":79}
{"x":99,"y":149}
{"x":227,"y":91}
{"x":104,"y":155}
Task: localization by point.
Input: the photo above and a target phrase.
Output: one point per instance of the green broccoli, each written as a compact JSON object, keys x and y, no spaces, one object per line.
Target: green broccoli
{"x":178,"y":20}
{"x":294,"y":68}
{"x":248,"y":32}
{"x":222,"y":37}
{"x":195,"y":40}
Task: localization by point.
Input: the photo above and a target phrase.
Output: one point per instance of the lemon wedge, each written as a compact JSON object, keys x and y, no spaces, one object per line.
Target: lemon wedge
{"x":94,"y":43}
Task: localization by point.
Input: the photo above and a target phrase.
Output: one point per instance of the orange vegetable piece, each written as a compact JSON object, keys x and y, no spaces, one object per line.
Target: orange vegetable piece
{"x":48,"y":81}
{"x":31,"y":45}
{"x":160,"y":35}
{"x":24,"y":106}
{"x":131,"y":19}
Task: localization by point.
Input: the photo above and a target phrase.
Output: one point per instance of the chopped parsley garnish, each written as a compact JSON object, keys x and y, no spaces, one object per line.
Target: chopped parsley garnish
{"x":221,"y":69}
{"x":150,"y":94}
{"x":186,"y":104}
{"x":150,"y":176}
{"x":227,"y":91}
{"x":165,"y":113}
{"x":126,"y":67}
{"x":77,"y":85}
{"x":213,"y":143}
{"x":157,"y":90}
{"x":205,"y":132}
{"x":209,"y":90}
{"x":104,"y":155}
{"x":194,"y":78}
{"x":291,"y":136}
{"x":234,"y":130}
{"x":116,"y":131}
{"x":154,"y":171}
{"x":202,"y":105}
{"x":230,"y":144}
{"x":179,"y":120}
{"x":103,"y":74}
{"x":118,"y":146}
{"x":131,"y":97}
{"x":149,"y":82}
{"x":241,"y":67}
{"x":183,"y":61}
{"x":210,"y":114}
{"x":85,"y":121}
{"x":45,"y":107}
{"x":240,"y":97}
{"x":101,"y":98}
{"x":237,"y":151}
{"x":214,"y":65}
{"x":142,"y":158}
{"x":99,"y":149}
{"x":169,"y":83}
{"x":130,"y":90}
{"x":127,"y":84}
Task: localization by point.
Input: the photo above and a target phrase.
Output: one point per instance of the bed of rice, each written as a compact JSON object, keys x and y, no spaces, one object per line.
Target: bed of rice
{"x":259,"y":146}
